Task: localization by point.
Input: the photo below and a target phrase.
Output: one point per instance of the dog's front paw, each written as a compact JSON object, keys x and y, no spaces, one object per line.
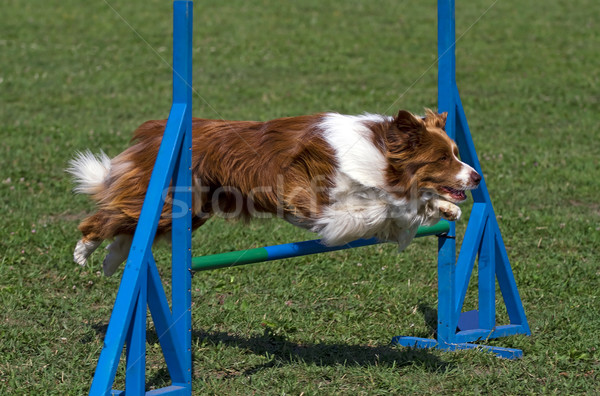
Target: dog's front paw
{"x":449,"y":211}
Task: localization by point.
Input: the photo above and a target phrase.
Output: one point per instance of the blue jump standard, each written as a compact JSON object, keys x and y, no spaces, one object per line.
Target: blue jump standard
{"x":141,"y":285}
{"x":468,"y":329}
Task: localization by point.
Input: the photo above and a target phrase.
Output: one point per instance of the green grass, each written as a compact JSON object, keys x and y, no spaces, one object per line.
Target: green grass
{"x":73,"y":75}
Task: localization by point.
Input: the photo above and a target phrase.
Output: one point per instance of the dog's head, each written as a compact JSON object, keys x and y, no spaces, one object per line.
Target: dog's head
{"x":423,"y":159}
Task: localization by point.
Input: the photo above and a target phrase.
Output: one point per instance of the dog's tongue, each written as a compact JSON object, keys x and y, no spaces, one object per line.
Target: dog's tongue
{"x":456,"y":194}
{"x":460,"y":195}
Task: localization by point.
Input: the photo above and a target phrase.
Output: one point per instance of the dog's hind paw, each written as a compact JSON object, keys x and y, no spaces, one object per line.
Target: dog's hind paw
{"x":118,"y":251}
{"x":83,"y":249}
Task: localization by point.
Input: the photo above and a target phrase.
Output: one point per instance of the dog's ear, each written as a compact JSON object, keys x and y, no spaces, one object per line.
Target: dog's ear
{"x":406,"y":121}
{"x":409,"y":129}
{"x":435,"y":120}
{"x":442,"y":117}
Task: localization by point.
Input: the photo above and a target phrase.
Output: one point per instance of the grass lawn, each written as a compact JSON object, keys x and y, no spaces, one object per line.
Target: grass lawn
{"x":84,"y":74}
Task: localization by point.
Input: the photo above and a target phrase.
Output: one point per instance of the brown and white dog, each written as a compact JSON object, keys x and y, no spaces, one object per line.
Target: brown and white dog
{"x":343,"y":177}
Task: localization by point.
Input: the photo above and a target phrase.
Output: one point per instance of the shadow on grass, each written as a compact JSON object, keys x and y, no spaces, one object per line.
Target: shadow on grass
{"x":283,"y":351}
{"x":430,"y":316}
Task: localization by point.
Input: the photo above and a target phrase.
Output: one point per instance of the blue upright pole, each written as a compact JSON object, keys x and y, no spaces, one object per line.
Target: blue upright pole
{"x":447,"y":317}
{"x":181,"y":234}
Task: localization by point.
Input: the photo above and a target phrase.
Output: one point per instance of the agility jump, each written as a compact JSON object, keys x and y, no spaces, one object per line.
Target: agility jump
{"x":141,"y":286}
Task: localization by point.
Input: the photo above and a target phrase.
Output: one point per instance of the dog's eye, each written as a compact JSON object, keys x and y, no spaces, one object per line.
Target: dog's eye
{"x":443,"y":158}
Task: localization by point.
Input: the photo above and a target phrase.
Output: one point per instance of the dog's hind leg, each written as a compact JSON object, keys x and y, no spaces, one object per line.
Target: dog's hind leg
{"x":95,"y":229}
{"x":91,"y":228}
{"x":118,"y":251}
{"x":84,"y":248}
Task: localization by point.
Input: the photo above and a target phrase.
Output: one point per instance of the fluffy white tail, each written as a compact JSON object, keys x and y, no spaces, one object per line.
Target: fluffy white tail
{"x":89,"y":171}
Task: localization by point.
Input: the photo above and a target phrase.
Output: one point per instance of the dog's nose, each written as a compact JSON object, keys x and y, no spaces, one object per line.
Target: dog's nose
{"x":475,"y":178}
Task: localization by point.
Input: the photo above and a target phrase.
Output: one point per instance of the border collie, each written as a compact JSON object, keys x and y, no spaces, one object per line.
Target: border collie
{"x":343,"y":177}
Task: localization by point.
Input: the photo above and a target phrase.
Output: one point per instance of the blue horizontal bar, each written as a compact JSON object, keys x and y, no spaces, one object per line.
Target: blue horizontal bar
{"x":304,"y":248}
{"x":296,"y":249}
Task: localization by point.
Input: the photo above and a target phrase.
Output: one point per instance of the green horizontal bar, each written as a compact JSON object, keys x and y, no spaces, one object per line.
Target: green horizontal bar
{"x":229,"y":259}
{"x":441,"y":227}
{"x":258,"y":255}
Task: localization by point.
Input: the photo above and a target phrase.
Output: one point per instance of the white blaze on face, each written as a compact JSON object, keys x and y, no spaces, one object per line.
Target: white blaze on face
{"x":464,"y":175}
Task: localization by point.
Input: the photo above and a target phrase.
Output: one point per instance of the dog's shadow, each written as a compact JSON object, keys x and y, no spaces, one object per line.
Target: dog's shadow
{"x":430,"y":317}
{"x":282,"y":351}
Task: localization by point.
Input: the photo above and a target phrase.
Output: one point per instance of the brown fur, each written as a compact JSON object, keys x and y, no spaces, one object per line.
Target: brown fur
{"x":287,"y":157}
{"x":420,"y":154}
{"x":283,"y":167}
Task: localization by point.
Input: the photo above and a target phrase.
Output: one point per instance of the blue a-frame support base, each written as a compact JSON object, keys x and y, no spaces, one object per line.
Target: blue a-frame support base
{"x":429,"y":343}
{"x":482,"y":238}
{"x":141,"y":288}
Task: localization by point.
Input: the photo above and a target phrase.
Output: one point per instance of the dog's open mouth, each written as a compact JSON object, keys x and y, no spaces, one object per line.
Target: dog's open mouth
{"x":458,"y":195}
